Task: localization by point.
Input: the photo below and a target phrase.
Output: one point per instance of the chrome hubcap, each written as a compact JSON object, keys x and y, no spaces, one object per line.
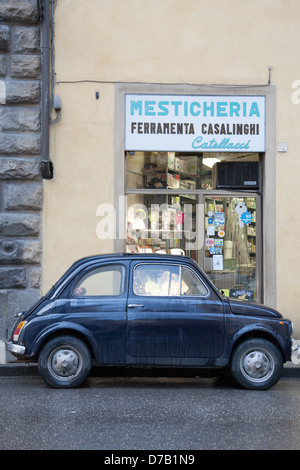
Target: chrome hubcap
{"x":257,"y":365}
{"x":64,"y":363}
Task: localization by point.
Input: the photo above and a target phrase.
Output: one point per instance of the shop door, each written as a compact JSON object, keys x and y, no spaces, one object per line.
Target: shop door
{"x":231,"y":255}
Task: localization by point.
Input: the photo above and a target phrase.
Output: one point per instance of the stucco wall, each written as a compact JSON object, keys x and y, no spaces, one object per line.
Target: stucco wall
{"x":82,"y":154}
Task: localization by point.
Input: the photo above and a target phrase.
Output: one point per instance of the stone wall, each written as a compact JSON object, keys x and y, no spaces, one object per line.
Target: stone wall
{"x":21,"y":187}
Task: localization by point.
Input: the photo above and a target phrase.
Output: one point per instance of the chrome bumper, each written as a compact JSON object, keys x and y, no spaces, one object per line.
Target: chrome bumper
{"x":14,"y":348}
{"x":295,"y":352}
{"x":294,"y":346}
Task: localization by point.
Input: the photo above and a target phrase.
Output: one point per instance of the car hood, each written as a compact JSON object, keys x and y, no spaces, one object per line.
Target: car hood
{"x":242,"y":307}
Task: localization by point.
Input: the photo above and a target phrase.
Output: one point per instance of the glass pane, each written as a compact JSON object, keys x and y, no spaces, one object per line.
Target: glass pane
{"x":230,"y":245}
{"x":101,"y":281}
{"x":176,"y":170}
{"x":190,"y":284}
{"x":162,"y":170}
{"x":162,"y":224}
{"x":156,"y":280}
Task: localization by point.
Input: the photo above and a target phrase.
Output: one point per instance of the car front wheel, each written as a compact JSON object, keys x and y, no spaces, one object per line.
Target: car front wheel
{"x":65,"y":362}
{"x":257,"y":364}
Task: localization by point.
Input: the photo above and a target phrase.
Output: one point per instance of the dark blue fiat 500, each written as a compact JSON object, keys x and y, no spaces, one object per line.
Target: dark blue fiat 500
{"x":151,"y":311}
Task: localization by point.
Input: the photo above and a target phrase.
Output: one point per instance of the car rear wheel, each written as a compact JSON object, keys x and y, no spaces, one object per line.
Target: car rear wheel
{"x":65,"y":362}
{"x":257,"y":364}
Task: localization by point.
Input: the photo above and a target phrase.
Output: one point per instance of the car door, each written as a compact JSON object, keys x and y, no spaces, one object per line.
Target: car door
{"x":97,"y":299}
{"x":173,"y":316}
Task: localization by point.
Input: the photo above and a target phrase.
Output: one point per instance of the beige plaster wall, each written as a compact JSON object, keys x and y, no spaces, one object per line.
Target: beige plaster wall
{"x":82,"y":154}
{"x":163,"y":41}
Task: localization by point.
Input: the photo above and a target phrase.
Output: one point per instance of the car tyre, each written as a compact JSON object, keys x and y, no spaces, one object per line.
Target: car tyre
{"x":65,"y":362}
{"x":256,"y":364}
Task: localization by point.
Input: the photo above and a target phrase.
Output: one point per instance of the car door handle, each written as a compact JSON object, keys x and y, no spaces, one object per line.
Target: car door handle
{"x":135,"y":305}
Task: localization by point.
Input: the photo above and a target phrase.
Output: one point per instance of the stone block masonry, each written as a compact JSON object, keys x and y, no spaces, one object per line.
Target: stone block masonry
{"x":21,"y":185}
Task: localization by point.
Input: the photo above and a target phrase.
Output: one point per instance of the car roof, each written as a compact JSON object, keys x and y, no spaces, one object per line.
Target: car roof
{"x":115,"y":256}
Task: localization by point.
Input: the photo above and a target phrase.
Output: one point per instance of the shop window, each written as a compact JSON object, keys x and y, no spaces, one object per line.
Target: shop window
{"x":174,"y":207}
{"x":162,"y":170}
{"x":231,"y":245}
{"x":176,"y":170}
{"x":162,"y":223}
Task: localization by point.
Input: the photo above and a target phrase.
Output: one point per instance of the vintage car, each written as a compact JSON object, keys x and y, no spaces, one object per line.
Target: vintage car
{"x":148,"y":310}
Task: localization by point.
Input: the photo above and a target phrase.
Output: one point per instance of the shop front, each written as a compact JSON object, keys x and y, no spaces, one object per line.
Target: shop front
{"x":195,"y":172}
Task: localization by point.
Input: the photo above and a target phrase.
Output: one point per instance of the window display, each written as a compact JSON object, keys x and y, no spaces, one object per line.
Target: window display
{"x":173,"y":207}
{"x":161,"y":223}
{"x":176,"y":170}
{"x":230,"y":245}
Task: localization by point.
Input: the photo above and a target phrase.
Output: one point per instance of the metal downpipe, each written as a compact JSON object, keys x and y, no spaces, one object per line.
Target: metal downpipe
{"x":47,"y":165}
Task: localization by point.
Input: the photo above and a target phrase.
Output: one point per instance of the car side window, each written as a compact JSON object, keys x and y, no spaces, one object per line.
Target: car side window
{"x":191,"y":284}
{"x":156,"y":280}
{"x":104,"y":280}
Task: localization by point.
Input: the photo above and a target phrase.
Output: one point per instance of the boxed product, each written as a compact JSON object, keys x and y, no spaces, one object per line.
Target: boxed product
{"x":177,"y":164}
{"x":176,"y":182}
{"x":170,"y":180}
{"x":191,"y":184}
{"x":171,"y":160}
{"x":184,"y":166}
{"x":192,"y":166}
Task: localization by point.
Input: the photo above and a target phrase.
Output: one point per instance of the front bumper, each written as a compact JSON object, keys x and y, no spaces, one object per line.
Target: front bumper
{"x":295,"y":352}
{"x":15,"y":348}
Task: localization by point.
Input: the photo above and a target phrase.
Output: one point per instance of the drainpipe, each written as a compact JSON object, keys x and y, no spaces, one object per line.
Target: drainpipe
{"x":47,"y":165}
